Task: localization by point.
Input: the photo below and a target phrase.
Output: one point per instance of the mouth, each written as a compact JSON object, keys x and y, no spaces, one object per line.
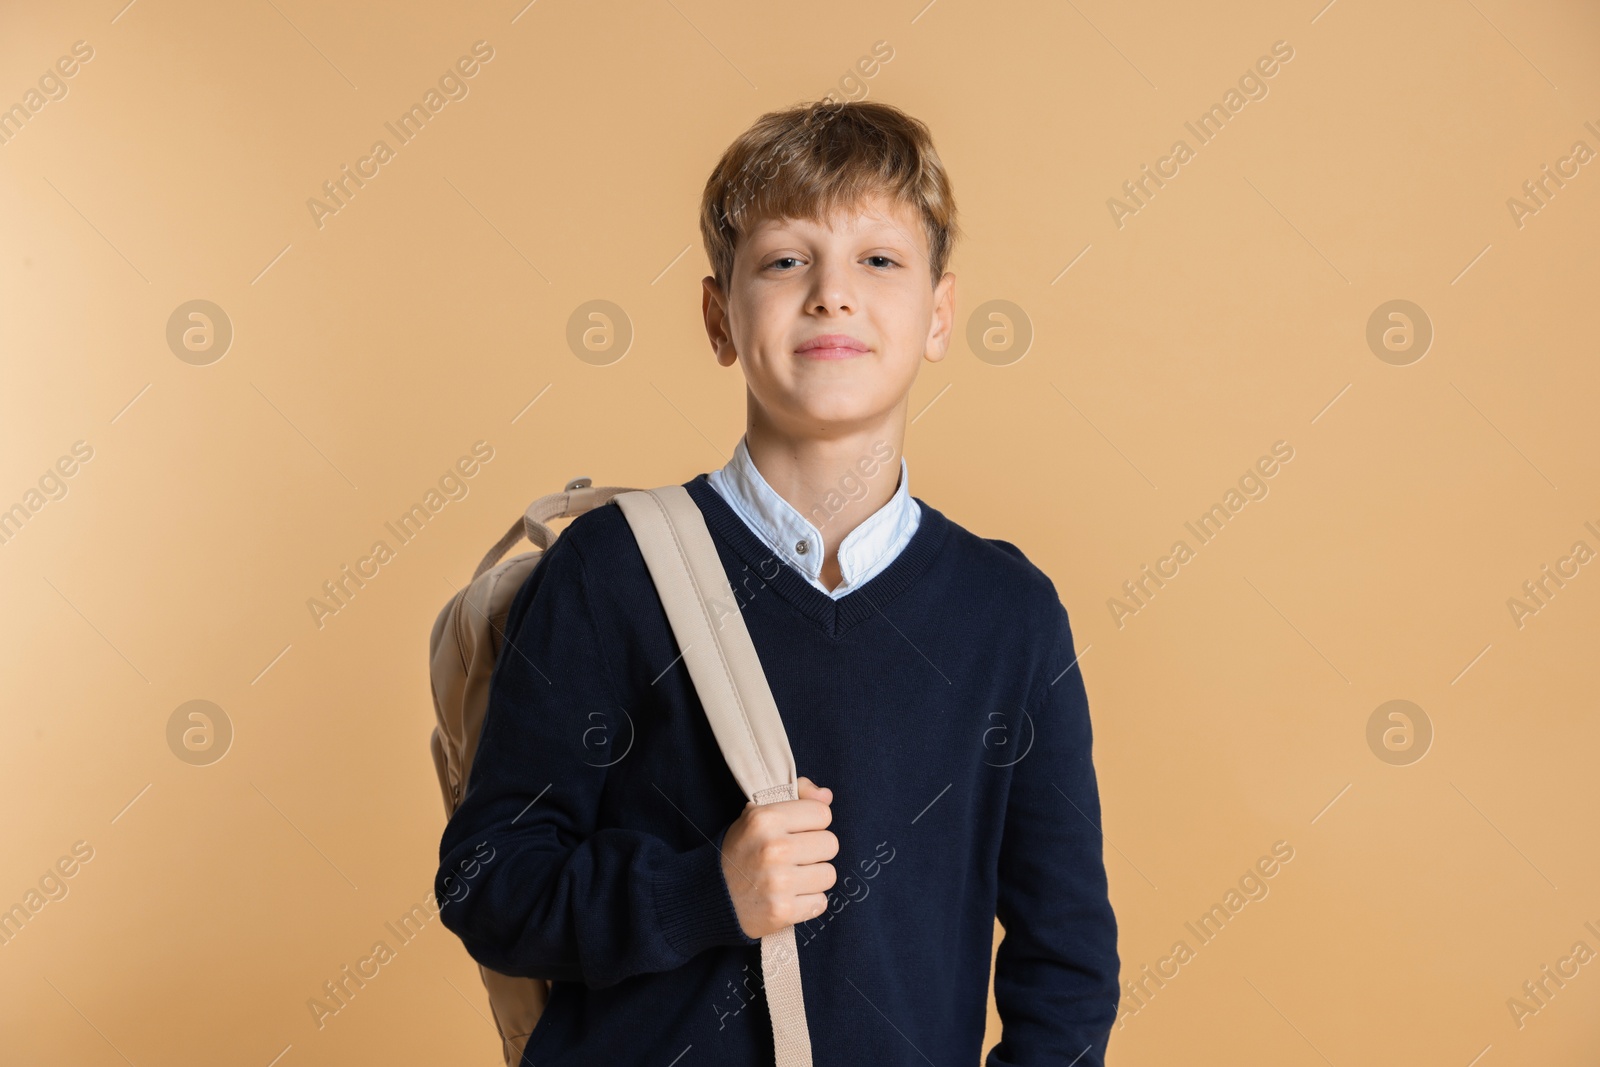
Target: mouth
{"x":832,"y":346}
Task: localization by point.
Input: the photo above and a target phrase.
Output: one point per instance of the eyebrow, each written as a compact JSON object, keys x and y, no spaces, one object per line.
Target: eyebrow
{"x":871,"y":228}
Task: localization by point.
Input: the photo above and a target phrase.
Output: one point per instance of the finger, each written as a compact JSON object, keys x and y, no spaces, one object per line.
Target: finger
{"x":814,"y":846}
{"x":810,"y":905}
{"x":787,"y":817}
{"x":803,"y":816}
{"x":815,"y":878}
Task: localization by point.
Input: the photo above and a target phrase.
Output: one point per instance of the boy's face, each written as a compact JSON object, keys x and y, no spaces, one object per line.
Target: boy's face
{"x":862,"y":274}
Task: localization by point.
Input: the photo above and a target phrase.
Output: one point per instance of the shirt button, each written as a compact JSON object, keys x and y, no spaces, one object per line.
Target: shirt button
{"x":802,"y":547}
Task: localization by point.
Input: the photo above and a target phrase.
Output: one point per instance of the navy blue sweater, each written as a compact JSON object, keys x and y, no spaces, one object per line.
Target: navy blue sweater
{"x":942,"y":705}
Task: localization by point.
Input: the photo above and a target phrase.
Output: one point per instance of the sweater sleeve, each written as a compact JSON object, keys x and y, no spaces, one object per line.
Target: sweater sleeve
{"x":527,"y":880}
{"x":1056,"y":970}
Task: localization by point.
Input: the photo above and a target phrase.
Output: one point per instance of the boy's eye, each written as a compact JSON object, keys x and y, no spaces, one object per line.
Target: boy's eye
{"x":876,"y":261}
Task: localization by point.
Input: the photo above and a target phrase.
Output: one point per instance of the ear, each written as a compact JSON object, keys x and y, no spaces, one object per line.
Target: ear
{"x":943,"y":319}
{"x":714,"y":309}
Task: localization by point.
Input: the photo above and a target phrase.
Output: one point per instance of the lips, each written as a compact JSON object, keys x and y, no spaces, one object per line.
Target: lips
{"x":831,"y":346}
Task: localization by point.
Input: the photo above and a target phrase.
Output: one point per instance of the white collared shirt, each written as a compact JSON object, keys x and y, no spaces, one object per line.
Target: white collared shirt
{"x":865,"y":552}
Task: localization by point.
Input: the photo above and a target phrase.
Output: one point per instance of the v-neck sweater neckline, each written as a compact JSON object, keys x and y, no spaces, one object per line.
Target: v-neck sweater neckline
{"x":834,"y":617}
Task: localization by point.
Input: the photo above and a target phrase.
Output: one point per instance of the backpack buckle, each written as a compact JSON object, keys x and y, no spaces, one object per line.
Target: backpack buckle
{"x":578,"y":483}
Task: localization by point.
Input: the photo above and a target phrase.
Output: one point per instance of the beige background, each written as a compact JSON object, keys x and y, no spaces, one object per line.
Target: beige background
{"x":1230,"y":313}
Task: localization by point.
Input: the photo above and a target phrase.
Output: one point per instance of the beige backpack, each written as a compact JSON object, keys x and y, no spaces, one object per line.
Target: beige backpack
{"x":699,"y":602}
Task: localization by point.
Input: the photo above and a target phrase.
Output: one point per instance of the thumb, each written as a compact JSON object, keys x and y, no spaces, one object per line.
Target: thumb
{"x":809,"y":790}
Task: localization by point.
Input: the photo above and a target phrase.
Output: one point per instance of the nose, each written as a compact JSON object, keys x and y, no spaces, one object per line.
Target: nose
{"x":832,"y":292}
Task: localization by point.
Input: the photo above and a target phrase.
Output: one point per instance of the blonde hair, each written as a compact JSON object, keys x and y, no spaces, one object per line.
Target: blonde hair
{"x":807,"y":160}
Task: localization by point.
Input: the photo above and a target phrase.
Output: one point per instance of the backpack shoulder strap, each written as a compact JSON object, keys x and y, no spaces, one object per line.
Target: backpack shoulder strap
{"x":732,"y":686}
{"x":710,"y":629}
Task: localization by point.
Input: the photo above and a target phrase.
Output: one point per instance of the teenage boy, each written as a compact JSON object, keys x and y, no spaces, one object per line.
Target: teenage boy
{"x":926,"y":674}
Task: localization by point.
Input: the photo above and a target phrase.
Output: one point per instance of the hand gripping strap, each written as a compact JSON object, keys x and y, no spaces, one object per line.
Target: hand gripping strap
{"x":732,"y":686}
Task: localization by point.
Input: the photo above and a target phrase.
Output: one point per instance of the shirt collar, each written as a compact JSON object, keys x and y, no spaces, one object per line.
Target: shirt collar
{"x":784,"y":528}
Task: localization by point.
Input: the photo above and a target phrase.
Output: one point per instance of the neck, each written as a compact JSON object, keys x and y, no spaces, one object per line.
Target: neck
{"x":836,"y":481}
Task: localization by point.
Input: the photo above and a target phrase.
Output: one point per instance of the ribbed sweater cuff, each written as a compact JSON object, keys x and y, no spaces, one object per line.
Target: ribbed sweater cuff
{"x":693,"y":904}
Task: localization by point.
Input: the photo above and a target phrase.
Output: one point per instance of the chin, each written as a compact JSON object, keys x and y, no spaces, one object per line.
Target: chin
{"x":835,"y":414}
{"x":838,"y":403}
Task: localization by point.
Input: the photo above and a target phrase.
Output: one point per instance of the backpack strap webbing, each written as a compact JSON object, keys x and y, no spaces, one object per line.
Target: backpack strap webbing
{"x":729,"y":679}
{"x":578,"y":497}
